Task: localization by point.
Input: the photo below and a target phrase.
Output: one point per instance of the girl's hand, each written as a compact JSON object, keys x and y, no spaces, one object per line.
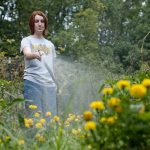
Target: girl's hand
{"x":38,"y":54}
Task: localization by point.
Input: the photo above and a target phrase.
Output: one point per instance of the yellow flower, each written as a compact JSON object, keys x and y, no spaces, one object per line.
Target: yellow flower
{"x":37,"y":114}
{"x":103,"y":119}
{"x":122,"y":84}
{"x":113,"y":102}
{"x":75,"y":131}
{"x":111,"y":120}
{"x":146,"y":83}
{"x":97,"y":105}
{"x":32,"y":106}
{"x":71,"y":117}
{"x":56,"y":118}
{"x":87,"y":115}
{"x":48,"y":113}
{"x":90,"y":125}
{"x":107,"y":91}
{"x":21,"y":142}
{"x":138,"y":90}
{"x":39,"y":125}
{"x":42,"y":120}
{"x":39,"y":137}
{"x":28,"y":122}
{"x":27,"y":125}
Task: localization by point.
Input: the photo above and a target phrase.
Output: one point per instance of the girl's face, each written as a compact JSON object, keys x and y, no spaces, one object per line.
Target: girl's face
{"x":39,"y":25}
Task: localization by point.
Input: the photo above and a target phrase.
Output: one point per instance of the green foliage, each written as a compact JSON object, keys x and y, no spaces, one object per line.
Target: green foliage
{"x":120,"y":124}
{"x":82,"y":27}
{"x":10,"y":89}
{"x":5,"y":105}
{"x":123,"y":122}
{"x":125,"y":31}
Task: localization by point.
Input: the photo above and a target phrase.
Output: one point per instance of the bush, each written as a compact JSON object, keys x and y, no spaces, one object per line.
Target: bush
{"x":121,"y":119}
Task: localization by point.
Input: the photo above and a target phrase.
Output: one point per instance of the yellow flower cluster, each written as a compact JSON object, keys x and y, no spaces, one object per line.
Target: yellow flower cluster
{"x":138,"y":91}
{"x":90,"y":125}
{"x":87,"y":115}
{"x":99,"y":105}
{"x":71,"y":118}
{"x":123,"y":84}
{"x":113,"y":102}
{"x":107,"y":91}
{"x":109,"y":120}
{"x":32,"y":106}
{"x":28,"y":122}
{"x":116,"y":100}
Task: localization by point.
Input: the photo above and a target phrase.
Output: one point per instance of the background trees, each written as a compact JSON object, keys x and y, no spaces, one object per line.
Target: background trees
{"x":96,"y":32}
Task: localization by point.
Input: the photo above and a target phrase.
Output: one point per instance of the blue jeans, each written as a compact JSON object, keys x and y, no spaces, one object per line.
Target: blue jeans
{"x":41,"y":96}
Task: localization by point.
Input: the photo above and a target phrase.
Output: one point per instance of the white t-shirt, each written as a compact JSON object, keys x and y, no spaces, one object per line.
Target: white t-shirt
{"x":35,"y":70}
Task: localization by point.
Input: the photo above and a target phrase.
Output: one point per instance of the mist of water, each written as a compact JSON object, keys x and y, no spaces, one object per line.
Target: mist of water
{"x":78,"y":85}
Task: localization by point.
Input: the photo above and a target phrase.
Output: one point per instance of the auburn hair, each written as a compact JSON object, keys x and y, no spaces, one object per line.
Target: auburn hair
{"x":32,"y":21}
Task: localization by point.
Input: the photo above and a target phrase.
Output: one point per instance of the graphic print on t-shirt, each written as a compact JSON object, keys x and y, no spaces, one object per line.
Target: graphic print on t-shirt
{"x":41,"y":47}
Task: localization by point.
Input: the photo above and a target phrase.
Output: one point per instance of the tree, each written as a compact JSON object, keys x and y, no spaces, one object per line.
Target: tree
{"x":124,"y":25}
